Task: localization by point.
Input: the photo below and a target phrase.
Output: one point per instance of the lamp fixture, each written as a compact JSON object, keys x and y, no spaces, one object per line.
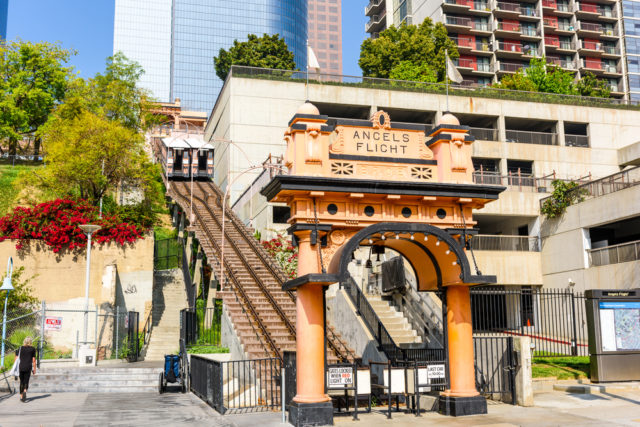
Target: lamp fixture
{"x":397,"y":236}
{"x":411,"y":236}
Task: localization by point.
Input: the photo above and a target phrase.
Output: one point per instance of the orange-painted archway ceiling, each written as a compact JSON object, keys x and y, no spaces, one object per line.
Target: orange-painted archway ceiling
{"x":437,"y":257}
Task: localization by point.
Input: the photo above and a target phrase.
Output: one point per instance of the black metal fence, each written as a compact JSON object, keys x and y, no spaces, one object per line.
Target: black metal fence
{"x":495,"y":365}
{"x":391,"y":350}
{"x":133,"y":336}
{"x":554,"y":319}
{"x":237,"y":386}
{"x":201,"y":326}
{"x":167,"y":254}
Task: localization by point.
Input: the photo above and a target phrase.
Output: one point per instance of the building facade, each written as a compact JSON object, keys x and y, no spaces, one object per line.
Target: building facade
{"x":497,"y":37}
{"x":175,"y":41}
{"x":325,"y":34}
{"x":521,"y":145}
{"x":4,"y":16}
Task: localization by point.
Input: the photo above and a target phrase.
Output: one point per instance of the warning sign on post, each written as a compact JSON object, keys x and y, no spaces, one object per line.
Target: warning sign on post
{"x":435,"y":371}
{"x":340,"y":376}
{"x":53,"y":323}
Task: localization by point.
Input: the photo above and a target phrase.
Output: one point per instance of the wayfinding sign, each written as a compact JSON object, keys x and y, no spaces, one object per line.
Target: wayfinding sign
{"x":620,"y":325}
{"x":613,"y":322}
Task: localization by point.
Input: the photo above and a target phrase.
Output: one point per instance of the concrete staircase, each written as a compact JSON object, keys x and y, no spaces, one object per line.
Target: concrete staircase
{"x":95,"y":379}
{"x":394,"y":321}
{"x":169,"y":297}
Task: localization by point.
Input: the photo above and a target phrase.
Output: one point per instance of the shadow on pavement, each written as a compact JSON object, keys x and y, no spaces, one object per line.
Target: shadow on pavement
{"x":42,"y":396}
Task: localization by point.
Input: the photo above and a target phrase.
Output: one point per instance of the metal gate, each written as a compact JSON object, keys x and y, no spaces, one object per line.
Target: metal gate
{"x":133,"y":341}
{"x":495,"y":368}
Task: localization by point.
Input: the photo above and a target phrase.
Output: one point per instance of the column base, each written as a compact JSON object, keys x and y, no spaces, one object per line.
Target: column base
{"x":311,"y":414}
{"x":460,"y":406}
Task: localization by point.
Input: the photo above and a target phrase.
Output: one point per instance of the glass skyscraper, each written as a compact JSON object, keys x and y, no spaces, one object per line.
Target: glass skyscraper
{"x":4,"y":14}
{"x":631,"y":13}
{"x":175,"y":41}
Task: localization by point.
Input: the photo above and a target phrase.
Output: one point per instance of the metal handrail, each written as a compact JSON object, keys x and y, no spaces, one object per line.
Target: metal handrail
{"x":489,"y":242}
{"x":250,"y":269}
{"x":479,"y":90}
{"x":530,"y":137}
{"x":614,"y":254}
{"x":236,"y":283}
{"x":606,"y":185}
{"x":266,"y":259}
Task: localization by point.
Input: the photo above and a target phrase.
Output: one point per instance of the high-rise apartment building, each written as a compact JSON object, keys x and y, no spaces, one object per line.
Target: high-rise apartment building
{"x":175,"y":41}
{"x":325,"y":34}
{"x":497,"y":37}
{"x":4,"y":15}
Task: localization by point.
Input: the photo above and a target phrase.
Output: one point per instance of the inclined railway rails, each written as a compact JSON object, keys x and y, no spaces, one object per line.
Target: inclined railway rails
{"x":251,"y":271}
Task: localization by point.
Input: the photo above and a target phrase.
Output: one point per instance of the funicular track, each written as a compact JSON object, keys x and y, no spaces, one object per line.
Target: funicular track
{"x":263,"y":314}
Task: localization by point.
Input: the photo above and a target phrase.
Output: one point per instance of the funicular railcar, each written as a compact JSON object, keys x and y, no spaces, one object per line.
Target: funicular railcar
{"x":186,"y":156}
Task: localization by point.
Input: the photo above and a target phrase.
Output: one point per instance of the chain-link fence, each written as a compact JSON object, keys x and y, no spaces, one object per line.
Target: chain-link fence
{"x":58,"y":330}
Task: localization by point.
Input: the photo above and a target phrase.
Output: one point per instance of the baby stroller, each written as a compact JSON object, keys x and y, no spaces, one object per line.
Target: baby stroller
{"x":173,"y":373}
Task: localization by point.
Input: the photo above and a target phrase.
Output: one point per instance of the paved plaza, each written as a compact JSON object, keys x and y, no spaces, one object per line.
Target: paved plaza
{"x":176,"y":409}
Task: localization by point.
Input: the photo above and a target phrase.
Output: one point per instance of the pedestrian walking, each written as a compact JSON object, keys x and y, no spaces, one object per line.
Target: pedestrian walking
{"x":27,"y":365}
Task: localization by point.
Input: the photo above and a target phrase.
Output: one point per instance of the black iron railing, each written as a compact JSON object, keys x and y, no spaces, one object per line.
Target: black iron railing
{"x":385,"y":342}
{"x":554,"y":319}
{"x":238,"y":385}
{"x":167,"y":254}
{"x":201,"y":326}
{"x":495,"y":365}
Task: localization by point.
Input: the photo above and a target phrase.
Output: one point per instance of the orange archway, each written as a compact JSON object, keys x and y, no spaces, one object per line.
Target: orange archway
{"x":353,"y":183}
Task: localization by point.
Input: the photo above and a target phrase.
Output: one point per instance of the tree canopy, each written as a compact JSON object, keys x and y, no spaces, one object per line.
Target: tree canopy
{"x":33,"y":80}
{"x":543,"y":77}
{"x":100,"y":123}
{"x":408,"y":52}
{"x":264,"y":52}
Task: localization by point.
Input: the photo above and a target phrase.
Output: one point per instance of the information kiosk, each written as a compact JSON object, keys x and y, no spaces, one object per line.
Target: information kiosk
{"x":613,"y":321}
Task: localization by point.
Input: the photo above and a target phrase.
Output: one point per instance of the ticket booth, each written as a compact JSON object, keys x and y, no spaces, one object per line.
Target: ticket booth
{"x":613,"y":322}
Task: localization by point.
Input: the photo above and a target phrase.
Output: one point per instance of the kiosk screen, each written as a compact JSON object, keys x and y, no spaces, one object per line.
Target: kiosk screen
{"x":620,"y":325}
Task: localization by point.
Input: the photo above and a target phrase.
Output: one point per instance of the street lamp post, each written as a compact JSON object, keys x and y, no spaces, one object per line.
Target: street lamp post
{"x":6,"y":286}
{"x":88,"y":229}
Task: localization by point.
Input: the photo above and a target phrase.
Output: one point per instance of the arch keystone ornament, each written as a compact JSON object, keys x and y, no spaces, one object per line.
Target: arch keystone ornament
{"x":384,"y":184}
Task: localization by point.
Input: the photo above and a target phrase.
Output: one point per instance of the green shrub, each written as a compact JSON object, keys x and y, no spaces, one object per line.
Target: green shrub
{"x":564,"y":195}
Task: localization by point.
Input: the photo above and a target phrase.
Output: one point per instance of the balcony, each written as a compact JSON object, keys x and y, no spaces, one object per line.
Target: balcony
{"x":511,"y":67}
{"x":576,"y":140}
{"x":508,"y":9}
{"x":489,"y":242}
{"x":615,"y":254}
{"x":457,"y":5}
{"x":530,"y":32}
{"x":465,"y":24}
{"x":549,"y":4}
{"x":508,"y":29}
{"x":484,"y":134}
{"x":593,"y":29}
{"x":592,"y":11}
{"x":376,"y":23}
{"x":600,"y":67}
{"x":590,"y":48}
{"x":530,"y":137}
{"x":609,"y":50}
{"x":464,"y":43}
{"x":552,"y":44}
{"x":374,"y":7}
{"x":562,"y":63}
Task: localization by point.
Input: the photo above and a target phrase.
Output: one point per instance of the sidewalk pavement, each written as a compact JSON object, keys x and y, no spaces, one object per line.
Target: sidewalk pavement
{"x":176,"y":409}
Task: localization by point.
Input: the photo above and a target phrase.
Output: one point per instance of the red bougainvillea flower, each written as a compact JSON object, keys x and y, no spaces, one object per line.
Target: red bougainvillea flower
{"x":285,"y":254}
{"x":57,"y":222}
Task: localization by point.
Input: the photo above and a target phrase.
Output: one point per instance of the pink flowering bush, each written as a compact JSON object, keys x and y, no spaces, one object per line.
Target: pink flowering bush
{"x":57,"y":222}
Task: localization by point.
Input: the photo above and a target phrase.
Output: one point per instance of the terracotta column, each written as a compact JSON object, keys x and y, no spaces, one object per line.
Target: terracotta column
{"x":461,"y":360}
{"x":309,"y":326}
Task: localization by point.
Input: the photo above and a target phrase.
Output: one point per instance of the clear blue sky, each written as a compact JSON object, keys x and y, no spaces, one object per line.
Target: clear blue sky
{"x":87,"y":27}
